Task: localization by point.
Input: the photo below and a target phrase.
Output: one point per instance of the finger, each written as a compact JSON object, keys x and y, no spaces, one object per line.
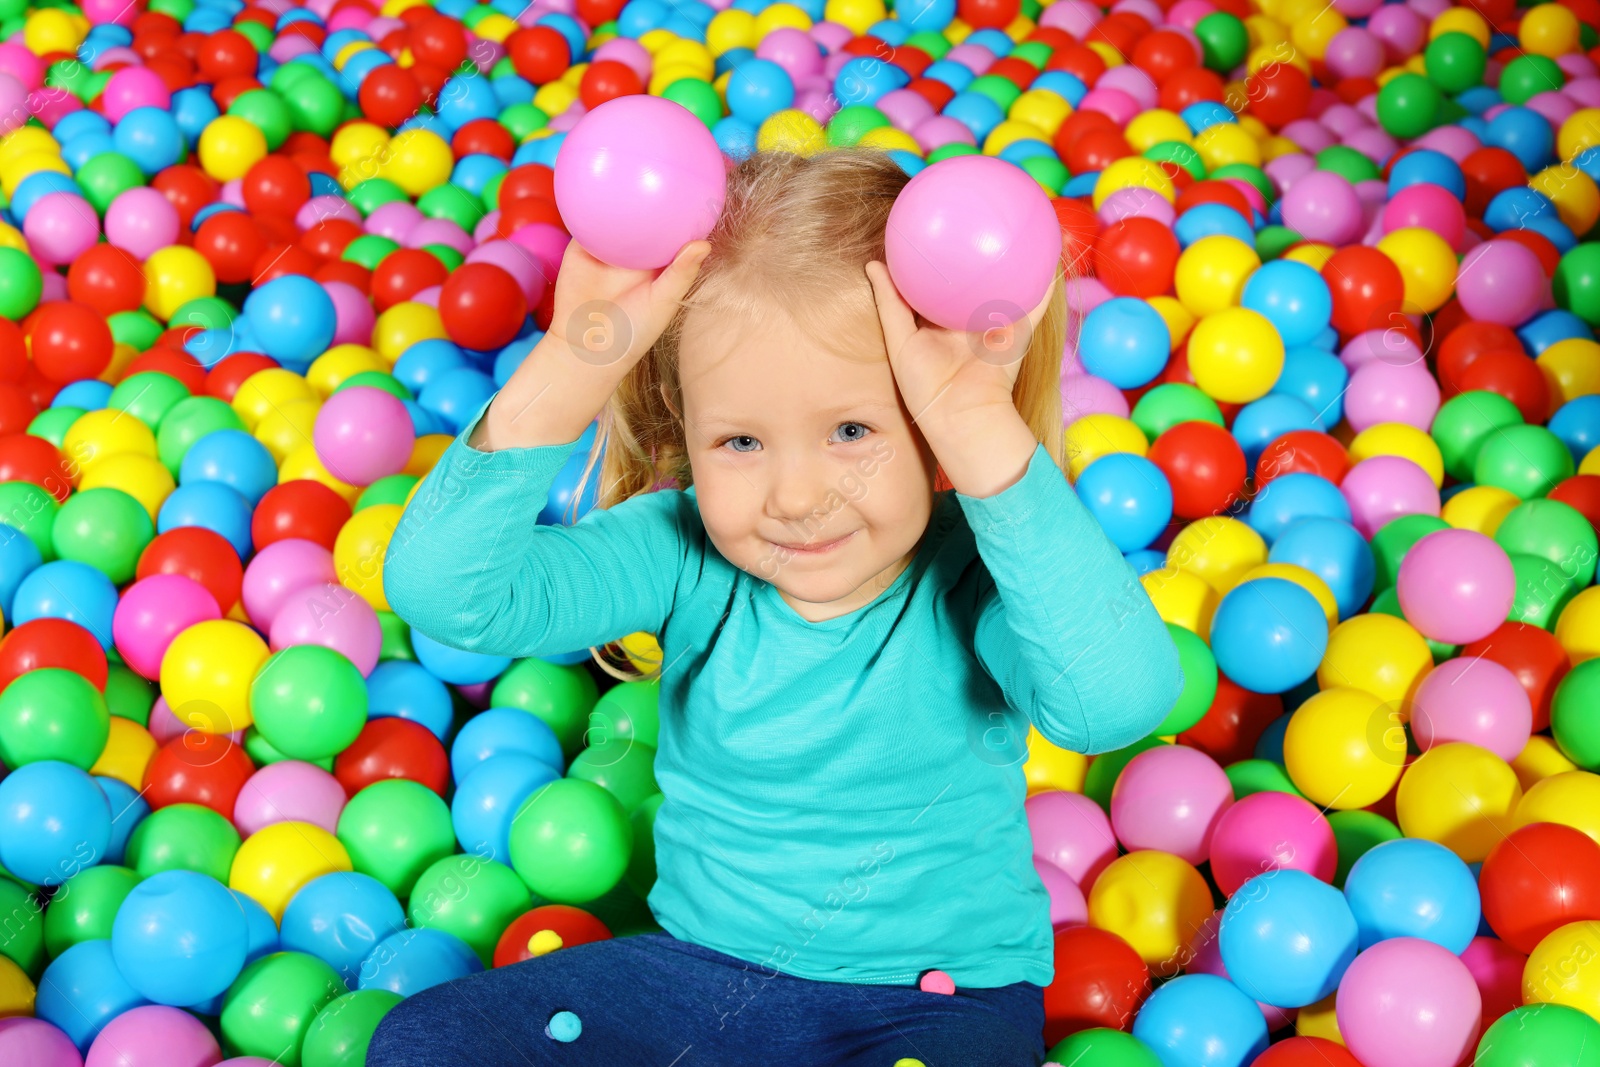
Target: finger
{"x":668,"y":289}
{"x":896,"y":316}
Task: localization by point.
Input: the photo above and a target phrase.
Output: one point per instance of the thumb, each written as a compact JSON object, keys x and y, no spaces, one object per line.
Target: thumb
{"x":675,"y":280}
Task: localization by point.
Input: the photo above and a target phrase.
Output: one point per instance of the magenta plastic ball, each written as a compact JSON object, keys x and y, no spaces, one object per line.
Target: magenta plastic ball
{"x":439,"y":232}
{"x":1496,"y":969}
{"x":363,"y":433}
{"x":1380,"y":391}
{"x":1456,"y":586}
{"x":100,"y":12}
{"x":1072,"y":832}
{"x":154,"y":1036}
{"x":1354,"y":53}
{"x":1502,"y":282}
{"x":516,"y":261}
{"x":1429,"y":207}
{"x":289,"y":791}
{"x":21,"y":64}
{"x":151,"y":614}
{"x":332,"y":616}
{"x":1406,"y":1002}
{"x":1475,"y":700}
{"x":637,"y":179}
{"x":1380,"y":489}
{"x":142,"y":221}
{"x":60,"y":227}
{"x":1390,"y":346}
{"x":1205,"y":957}
{"x":13,"y":103}
{"x":1270,"y":831}
{"x":36,"y":1043}
{"x":1399,"y":28}
{"x":1169,"y":798}
{"x":1067,"y":905}
{"x":134,"y":87}
{"x":1323,"y":206}
{"x":352,"y":313}
{"x":1086,"y":394}
{"x":280,"y":570}
{"x":972,"y":243}
{"x":793,"y":50}
{"x":394,"y":220}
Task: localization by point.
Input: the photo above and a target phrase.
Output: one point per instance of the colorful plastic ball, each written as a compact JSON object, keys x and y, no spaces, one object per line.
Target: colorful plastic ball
{"x":276,"y":861}
{"x":1268,"y":635}
{"x":289,"y":790}
{"x":1271,"y":831}
{"x":82,"y":990}
{"x":151,"y":1035}
{"x":412,"y":960}
{"x":1129,"y":496}
{"x":1099,"y":982}
{"x":56,"y":822}
{"x":1286,"y":938}
{"x":394,"y":830}
{"x":60,"y":227}
{"x":179,"y":938}
{"x":1072,"y":833}
{"x":1323,"y":206}
{"x":270,"y":1009}
{"x":292,"y":316}
{"x":1204,"y":466}
{"x":1460,"y":795}
{"x":340,"y":918}
{"x":1153,"y":900}
{"x":1200,"y":1018}
{"x":1170,"y":798}
{"x":1502,"y":282}
{"x":1456,"y":586}
{"x":1539,"y":878}
{"x":637,"y":179}
{"x":1408,"y":1001}
{"x":570,"y":841}
{"x":1235,"y":355}
{"x":28,"y":1040}
{"x":52,"y":714}
{"x":1341,"y":748}
{"x":1125,"y":341}
{"x":488,"y":797}
{"x":1537,"y":1035}
{"x":206,"y":674}
{"x":1292,"y":297}
{"x":1413,"y":888}
{"x":482,"y":306}
{"x":151,"y":614}
{"x":972,"y":243}
{"x":1492,"y":711}
{"x":308,"y":701}
{"x":343,"y":1029}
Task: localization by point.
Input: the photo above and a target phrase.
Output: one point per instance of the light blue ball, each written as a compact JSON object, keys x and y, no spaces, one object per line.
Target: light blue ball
{"x":67,"y":589}
{"x":1289,"y":498}
{"x":413,"y":960}
{"x":1293,"y":297}
{"x":1125,"y":341}
{"x":1263,"y":421}
{"x":405,"y":690}
{"x":1334,"y":551}
{"x":501,"y":732}
{"x":487,"y":799}
{"x":757,"y":89}
{"x":82,"y":990}
{"x":1129,"y":496}
{"x":217,"y":506}
{"x":54,"y":821}
{"x":292,"y":316}
{"x":1268,"y":635}
{"x":454,"y":665}
{"x":1577,"y":423}
{"x":180,"y":938}
{"x":1286,"y":938}
{"x":1317,"y":378}
{"x":151,"y":137}
{"x":234,"y":458}
{"x":456,"y":395}
{"x":1200,"y":1020}
{"x":19,"y":557}
{"x":1411,"y":887}
{"x":340,"y":918}
{"x":128,"y":810}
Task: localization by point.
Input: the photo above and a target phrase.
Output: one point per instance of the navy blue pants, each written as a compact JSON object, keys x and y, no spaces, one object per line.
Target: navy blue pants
{"x":652,"y":1000}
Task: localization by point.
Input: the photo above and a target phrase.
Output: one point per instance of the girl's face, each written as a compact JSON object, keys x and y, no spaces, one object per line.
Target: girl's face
{"x":807,"y":468}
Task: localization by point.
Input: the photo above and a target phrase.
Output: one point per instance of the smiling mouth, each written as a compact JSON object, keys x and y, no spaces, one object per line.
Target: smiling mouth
{"x":814,"y":549}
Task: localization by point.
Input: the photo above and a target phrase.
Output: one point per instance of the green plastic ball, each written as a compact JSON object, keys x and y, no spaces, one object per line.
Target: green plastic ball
{"x":52,"y":714}
{"x":450,"y":257}
{"x":261,"y":752}
{"x":562,"y":696}
{"x":1002,"y":91}
{"x":378,"y":380}
{"x":630,"y":710}
{"x":1541,"y":591}
{"x":315,"y":104}
{"x":394,"y":830}
{"x":1252,"y":776}
{"x":189,"y":420}
{"x":1103,"y":1046}
{"x":129,"y":696}
{"x":1355,"y":832}
{"x":106,"y":177}
{"x":1179,"y":153}
{"x":309,"y":701}
{"x":368,"y":250}
{"x":1048,"y":171}
{"x":1574,"y":721}
{"x":22,"y":937}
{"x":1274,"y":241}
{"x":1249,"y":172}
{"x":570,"y":841}
{"x":392,"y":489}
{"x":53,"y":423}
{"x":1527,"y":76}
{"x":31,"y":509}
{"x":1455,"y":62}
{"x":183,"y":837}
{"x":1348,"y":163}
{"x":136,"y":328}
{"x":954,"y":148}
{"x":450,"y":201}
{"x":396,"y":638}
{"x":523,"y":119}
{"x":1464,"y":422}
{"x":1577,"y":282}
{"x":622,"y":766}
{"x":270,"y":1007}
{"x":105,"y":528}
{"x":147,"y":396}
{"x":343,"y":1029}
{"x":1224,"y":41}
{"x":1408,"y":106}
{"x":474,"y":899}
{"x":85,"y":905}
{"x":641,"y":872}
{"x":852,"y":122}
{"x":1540,"y":1035}
{"x":1170,"y":403}
{"x":1199,"y":682}
{"x":21,"y":284}
{"x":368,"y":196}
{"x":267,"y":112}
{"x":1527,"y":461}
{"x":1554,"y":531}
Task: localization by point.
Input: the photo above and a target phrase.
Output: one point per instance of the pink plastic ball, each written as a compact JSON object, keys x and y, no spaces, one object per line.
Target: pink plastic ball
{"x":13,"y":103}
{"x":1169,"y":798}
{"x":1456,"y":586}
{"x":1067,"y":905}
{"x":1385,"y":345}
{"x":793,"y":50}
{"x":151,"y":614}
{"x":547,"y":243}
{"x":36,"y":1043}
{"x":1205,"y":957}
{"x":1497,"y":969}
{"x":394,"y":220}
{"x":639,"y":178}
{"x":1429,"y":207}
{"x":516,"y":261}
{"x":904,"y":108}
{"x":1311,"y":136}
{"x":1323,"y":206}
{"x":937,"y":982}
{"x":21,"y":64}
{"x":289,"y":791}
{"x":119,"y":12}
{"x":334,"y":617}
{"x":60,"y":227}
{"x":439,"y":232}
{"x":1380,"y":391}
{"x":131,"y":88}
{"x":1406,"y":1002}
{"x":280,"y":570}
{"x":1077,"y":17}
{"x":154,"y":1036}
{"x":1354,"y":53}
{"x":1113,"y":103}
{"x":1085,"y":394}
{"x":1186,"y":14}
{"x":142,"y":221}
{"x":630,"y":53}
{"x":164,"y":725}
{"x":1136,"y":202}
{"x":1474,"y":700}
{"x":1399,"y":28}
{"x":1502,"y":282}
{"x":1271,"y":831}
{"x":1356,"y":8}
{"x":972,"y":243}
{"x":363,"y":434}
{"x":1380,"y":489}
{"x":1073,"y":833}
{"x":352,"y":313}
{"x":941,"y":130}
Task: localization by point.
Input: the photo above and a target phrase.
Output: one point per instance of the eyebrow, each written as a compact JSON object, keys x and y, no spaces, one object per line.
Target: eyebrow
{"x":862,"y":407}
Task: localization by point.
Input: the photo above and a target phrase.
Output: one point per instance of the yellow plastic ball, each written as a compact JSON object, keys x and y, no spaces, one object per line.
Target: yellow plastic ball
{"x":1591,"y":462}
{"x":1403,"y":440}
{"x":1311,"y":35}
{"x":858,"y":15}
{"x":52,"y":30}
{"x":1108,"y":54}
{"x":303,"y":463}
{"x":329,"y":370}
{"x":729,"y":29}
{"x":1182,"y":598}
{"x":1312,"y":254}
{"x":1008,"y":133}
{"x":1574,"y":194}
{"x":495,"y":27}
{"x":402,"y":326}
{"x":555,"y":97}
{"x":268,"y":389}
{"x":359,"y":550}
{"x":1155,"y":902}
{"x":418,"y":160}
{"x":1571,"y":368}
{"x":1550,"y":30}
{"x":206,"y":675}
{"x":1380,"y":654}
{"x":1178,"y":318}
{"x":15,"y":171}
{"x":230,"y":146}
{"x":1311,"y":583}
{"x":1211,"y":274}
{"x":17,"y":993}
{"x":1578,"y":626}
{"x":1580,"y":132}
{"x":11,"y":237}
{"x":1048,"y":111}
{"x":274,"y":863}
{"x":1225,"y":143}
{"x":1462,"y":796}
{"x":173,"y":277}
{"x":1343,"y":749}
{"x":1219,"y":549}
{"x":1481,"y":508}
{"x":1101,"y":434}
{"x":1427,"y":266}
{"x":889,"y":138}
{"x":780,"y":15}
{"x":356,"y":141}
{"x":1235,"y":354}
{"x":791,"y":130}
{"x":1564,"y":967}
{"x":1539,"y":759}
{"x":287,"y":427}
{"x":1049,"y":767}
{"x":27,"y":141}
{"x":425,"y":454}
{"x":1157,"y":126}
{"x":1460,"y":20}
{"x":97,"y":435}
{"x":1319,"y":1020}
{"x":1571,"y":798}
{"x":142,"y":477}
{"x":129,"y":750}
{"x":1264,"y":30}
{"x":1134,"y":172}
{"x":691,"y":54}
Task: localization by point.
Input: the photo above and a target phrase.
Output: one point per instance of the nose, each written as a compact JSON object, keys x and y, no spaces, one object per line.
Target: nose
{"x":797,"y":494}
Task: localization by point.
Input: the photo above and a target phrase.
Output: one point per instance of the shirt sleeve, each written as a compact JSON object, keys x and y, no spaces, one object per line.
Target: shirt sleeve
{"x":470,"y":567}
{"x":1064,"y":626}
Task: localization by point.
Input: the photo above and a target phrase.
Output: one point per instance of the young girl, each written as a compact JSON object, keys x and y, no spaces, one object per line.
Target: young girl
{"x":851,"y":658}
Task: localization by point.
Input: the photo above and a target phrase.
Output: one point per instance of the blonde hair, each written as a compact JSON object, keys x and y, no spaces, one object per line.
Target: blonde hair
{"x":796,"y":232}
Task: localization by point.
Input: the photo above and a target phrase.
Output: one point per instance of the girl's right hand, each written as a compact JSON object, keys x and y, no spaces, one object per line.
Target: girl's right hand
{"x":609,"y":316}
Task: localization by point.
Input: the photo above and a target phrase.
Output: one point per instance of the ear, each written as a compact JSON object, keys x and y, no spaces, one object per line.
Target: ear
{"x":667,"y":399}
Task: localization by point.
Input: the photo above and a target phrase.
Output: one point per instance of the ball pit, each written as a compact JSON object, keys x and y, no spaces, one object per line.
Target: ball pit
{"x":1333,"y":387}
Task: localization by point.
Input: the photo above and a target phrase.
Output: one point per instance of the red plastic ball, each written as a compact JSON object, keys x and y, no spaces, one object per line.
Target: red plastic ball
{"x":275,"y":186}
{"x":1164,"y":53}
{"x":25,"y":457}
{"x":1279,"y":93}
{"x":484,"y":137}
{"x":224,"y":379}
{"x":988,"y":14}
{"x":70,"y":341}
{"x":299,"y":508}
{"x":198,"y":553}
{"x":527,"y":211}
{"x":572,"y":924}
{"x":1533,"y":655}
{"x":1303,"y":452}
{"x":1191,"y":86}
{"x":1366,"y":288}
{"x":1301,"y":1051}
{"x":1234,"y":722}
{"x":599,"y":12}
{"x":227,"y":53}
{"x":1079,"y":60}
{"x":1096,"y":150}
{"x":1541,"y":876}
{"x":14,"y":363}
{"x":52,"y":643}
{"x":1205,"y":466}
{"x":389,"y":95}
{"x":198,"y":768}
{"x":280,"y":259}
{"x":1581,"y":492}
{"x":1463,"y":345}
{"x":1510,"y":374}
{"x":402,"y":274}
{"x":107,"y":279}
{"x":482,"y":306}
{"x":231,"y":242}
{"x":1489,"y":172}
{"x":533,"y":180}
{"x":538,"y":53}
{"x":1099,"y":981}
{"x":439,"y":40}
{"x":392,"y":747}
{"x":607,"y":80}
{"x":1136,"y":257}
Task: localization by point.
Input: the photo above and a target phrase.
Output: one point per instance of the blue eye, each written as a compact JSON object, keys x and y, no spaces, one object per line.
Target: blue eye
{"x":864,"y":431}
{"x":740,"y":437}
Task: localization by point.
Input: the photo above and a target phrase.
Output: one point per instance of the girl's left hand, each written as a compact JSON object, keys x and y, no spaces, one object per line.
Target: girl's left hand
{"x":942,"y":373}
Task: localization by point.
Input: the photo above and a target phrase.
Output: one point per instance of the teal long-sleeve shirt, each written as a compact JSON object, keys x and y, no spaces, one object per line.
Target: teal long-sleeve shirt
{"x":842,"y":800}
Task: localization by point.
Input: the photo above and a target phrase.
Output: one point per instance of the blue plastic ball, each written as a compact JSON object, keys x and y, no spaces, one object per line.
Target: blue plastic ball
{"x":292,"y":316}
{"x":454,"y":665}
{"x":456,"y":395}
{"x":758,"y":88}
{"x":1410,"y":887}
{"x":128,"y":809}
{"x":340,"y":918}
{"x":1291,"y":497}
{"x":413,"y":960}
{"x":406,"y":690}
{"x":1316,"y":377}
{"x":1293,"y":297}
{"x":1424,"y":166}
{"x":1200,"y":1020}
{"x":1263,"y":421}
{"x":235,"y":459}
{"x":217,"y":506}
{"x":1334,"y":551}
{"x":1125,"y":341}
{"x":82,"y":990}
{"x":1212,"y":220}
{"x":1129,"y":496}
{"x":180,"y":938}
{"x":1268,"y":635}
{"x":262,"y":938}
{"x":500,"y":732}
{"x":1286,"y":938}
{"x":1577,"y":423}
{"x":487,"y":799}
{"x":151,"y":137}
{"x":54,"y":822}
{"x":67,"y":589}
